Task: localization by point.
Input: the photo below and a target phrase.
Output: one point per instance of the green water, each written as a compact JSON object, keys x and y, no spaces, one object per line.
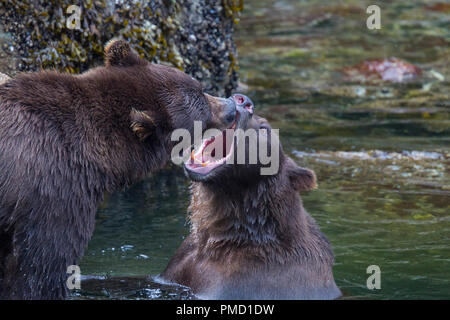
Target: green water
{"x":381,"y":151}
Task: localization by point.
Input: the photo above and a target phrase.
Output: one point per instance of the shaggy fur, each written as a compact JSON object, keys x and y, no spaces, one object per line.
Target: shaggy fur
{"x":251,"y":238}
{"x":66,"y":140}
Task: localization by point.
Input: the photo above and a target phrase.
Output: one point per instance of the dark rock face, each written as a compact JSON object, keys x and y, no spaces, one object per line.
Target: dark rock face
{"x":194,"y":36}
{"x":7,"y":57}
{"x":209,"y":46}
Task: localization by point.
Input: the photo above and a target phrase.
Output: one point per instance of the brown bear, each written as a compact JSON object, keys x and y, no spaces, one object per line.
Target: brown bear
{"x":66,"y":140}
{"x":250,"y":236}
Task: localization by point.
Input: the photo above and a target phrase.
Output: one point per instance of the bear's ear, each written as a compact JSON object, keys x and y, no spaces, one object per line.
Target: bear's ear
{"x":143,"y":124}
{"x":119,"y":53}
{"x":302,"y":179}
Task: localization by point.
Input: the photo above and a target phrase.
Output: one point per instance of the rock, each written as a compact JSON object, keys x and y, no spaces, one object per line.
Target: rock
{"x":8,"y":58}
{"x":194,"y":35}
{"x":391,"y":69}
{"x":439,"y":6}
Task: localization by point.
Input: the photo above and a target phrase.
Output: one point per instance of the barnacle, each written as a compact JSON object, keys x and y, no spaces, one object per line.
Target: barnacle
{"x":159,"y":30}
{"x":233,"y":9}
{"x":75,"y":50}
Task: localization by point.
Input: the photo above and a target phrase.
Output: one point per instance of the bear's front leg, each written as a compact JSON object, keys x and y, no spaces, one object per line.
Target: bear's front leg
{"x":40,"y":252}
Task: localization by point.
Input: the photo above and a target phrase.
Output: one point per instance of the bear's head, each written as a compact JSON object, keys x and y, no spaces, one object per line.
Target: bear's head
{"x":172,"y":98}
{"x":244,"y":155}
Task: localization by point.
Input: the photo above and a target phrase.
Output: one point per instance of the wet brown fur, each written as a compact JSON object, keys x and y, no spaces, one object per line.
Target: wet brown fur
{"x":65,"y":140}
{"x":254,"y":240}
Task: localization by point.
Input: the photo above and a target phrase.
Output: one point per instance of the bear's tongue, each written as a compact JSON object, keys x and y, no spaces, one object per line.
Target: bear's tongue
{"x":212,"y":150}
{"x":212,"y":153}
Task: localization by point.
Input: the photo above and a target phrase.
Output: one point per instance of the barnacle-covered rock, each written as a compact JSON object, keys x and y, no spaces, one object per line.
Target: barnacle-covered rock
{"x":192,"y":35}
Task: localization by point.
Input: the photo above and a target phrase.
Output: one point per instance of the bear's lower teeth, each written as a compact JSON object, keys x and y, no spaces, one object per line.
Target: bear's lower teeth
{"x":200,"y":158}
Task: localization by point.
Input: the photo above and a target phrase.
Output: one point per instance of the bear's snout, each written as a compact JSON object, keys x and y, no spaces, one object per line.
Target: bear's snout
{"x":242,"y":101}
{"x":230,"y":111}
{"x":223,"y":112}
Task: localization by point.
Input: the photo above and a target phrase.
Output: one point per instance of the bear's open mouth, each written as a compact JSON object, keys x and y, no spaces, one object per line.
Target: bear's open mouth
{"x":214,"y":151}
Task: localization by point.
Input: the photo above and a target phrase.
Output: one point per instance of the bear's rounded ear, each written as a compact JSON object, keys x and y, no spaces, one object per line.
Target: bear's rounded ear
{"x":302,"y":179}
{"x":119,"y":53}
{"x":143,"y":124}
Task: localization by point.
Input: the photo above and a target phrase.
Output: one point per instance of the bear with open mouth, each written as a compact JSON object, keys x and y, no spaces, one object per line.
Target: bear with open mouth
{"x":250,"y":236}
{"x":67,"y":140}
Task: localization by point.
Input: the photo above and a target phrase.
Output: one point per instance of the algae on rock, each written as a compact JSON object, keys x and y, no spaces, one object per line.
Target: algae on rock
{"x":194,"y":36}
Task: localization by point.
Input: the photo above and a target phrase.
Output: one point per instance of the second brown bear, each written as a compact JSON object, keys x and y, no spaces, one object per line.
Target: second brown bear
{"x":250,"y":236}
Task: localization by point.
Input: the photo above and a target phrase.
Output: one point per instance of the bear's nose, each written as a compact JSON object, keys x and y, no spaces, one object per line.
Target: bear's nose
{"x":230,"y":110}
{"x":244,"y":102}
